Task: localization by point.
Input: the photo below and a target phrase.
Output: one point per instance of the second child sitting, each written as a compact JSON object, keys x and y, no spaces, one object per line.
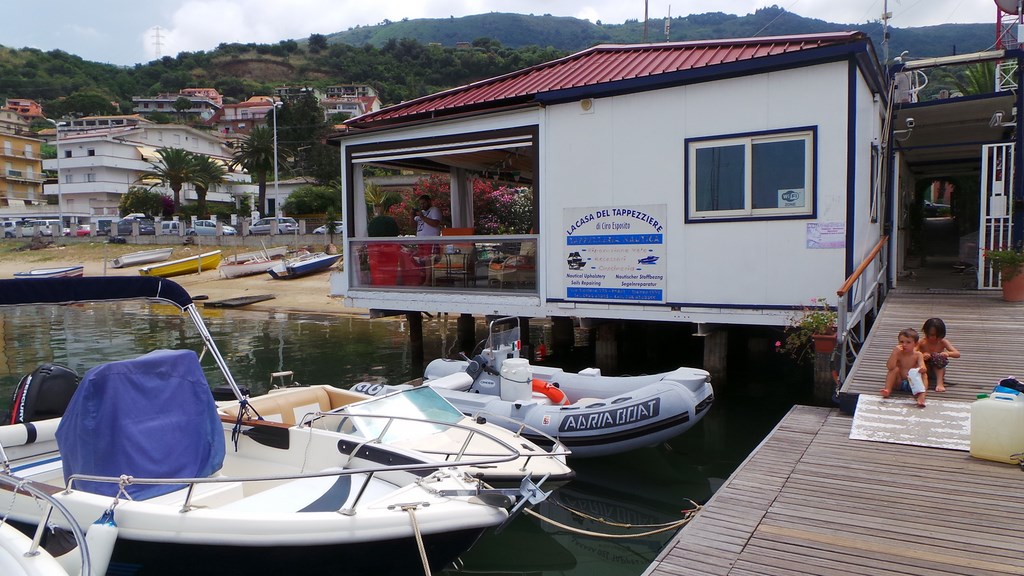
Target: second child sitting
{"x":937,"y":351}
{"x":906,"y":368}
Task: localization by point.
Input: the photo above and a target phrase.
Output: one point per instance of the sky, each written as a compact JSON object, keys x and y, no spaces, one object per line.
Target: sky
{"x":125,"y":31}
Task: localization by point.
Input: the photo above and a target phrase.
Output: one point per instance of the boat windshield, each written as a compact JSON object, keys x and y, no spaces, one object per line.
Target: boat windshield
{"x":421,"y":402}
{"x":504,"y":340}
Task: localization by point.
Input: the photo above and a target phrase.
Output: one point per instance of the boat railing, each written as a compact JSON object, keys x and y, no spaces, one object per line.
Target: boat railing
{"x":15,"y":485}
{"x":504,"y":452}
{"x":191,"y":483}
{"x":860,"y":297}
{"x":557,"y":448}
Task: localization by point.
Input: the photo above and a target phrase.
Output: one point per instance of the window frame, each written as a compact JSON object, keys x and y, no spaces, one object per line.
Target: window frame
{"x":807,"y":134}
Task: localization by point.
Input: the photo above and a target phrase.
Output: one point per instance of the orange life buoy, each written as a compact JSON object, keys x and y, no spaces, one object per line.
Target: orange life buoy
{"x":554,"y":393}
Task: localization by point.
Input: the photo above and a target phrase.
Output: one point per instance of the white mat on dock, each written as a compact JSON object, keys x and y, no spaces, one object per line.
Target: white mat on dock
{"x":940,"y":424}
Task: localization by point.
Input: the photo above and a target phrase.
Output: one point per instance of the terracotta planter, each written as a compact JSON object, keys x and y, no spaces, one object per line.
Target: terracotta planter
{"x":1013,"y":289}
{"x":824,"y":343}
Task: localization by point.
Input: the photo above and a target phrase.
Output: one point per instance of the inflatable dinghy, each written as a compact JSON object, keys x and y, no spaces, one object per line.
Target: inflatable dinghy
{"x":591,"y":414}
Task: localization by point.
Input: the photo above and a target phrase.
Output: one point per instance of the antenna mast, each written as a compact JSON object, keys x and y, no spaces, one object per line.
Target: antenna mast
{"x":645,"y":21}
{"x":1008,"y":32}
{"x":157,"y":44}
{"x":668,"y":23}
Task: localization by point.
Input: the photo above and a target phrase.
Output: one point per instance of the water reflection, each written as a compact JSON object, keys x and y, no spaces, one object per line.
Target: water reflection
{"x":648,"y":486}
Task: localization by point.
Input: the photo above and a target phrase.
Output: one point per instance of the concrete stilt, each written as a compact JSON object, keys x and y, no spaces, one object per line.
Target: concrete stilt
{"x":415,"y":320}
{"x":524,"y":338}
{"x":562,"y":337}
{"x":606,"y":348}
{"x":466,"y":330}
{"x":716,"y":348}
{"x":824,"y":380}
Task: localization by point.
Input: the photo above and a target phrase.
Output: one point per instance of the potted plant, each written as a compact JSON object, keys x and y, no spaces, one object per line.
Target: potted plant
{"x":1010,"y":264}
{"x":813,"y":328}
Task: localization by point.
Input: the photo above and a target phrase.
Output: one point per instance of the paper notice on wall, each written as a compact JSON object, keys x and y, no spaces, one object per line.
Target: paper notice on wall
{"x":822,"y":235}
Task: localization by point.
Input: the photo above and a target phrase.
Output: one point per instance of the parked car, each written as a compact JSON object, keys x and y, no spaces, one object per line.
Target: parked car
{"x":170,"y":227}
{"x":83,"y":230}
{"x":146,"y":226}
{"x":323,"y":229}
{"x":932,"y":209}
{"x":209,"y":228}
{"x":10,"y":228}
{"x":285,"y":225}
{"x":103,"y":225}
{"x":45,"y":227}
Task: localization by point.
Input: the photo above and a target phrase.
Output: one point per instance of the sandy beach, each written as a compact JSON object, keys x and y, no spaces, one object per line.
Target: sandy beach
{"x":307,"y":294}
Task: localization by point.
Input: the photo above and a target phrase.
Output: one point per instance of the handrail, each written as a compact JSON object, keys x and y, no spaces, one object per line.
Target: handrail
{"x":849,"y":317}
{"x":16,"y":484}
{"x":860,"y":269}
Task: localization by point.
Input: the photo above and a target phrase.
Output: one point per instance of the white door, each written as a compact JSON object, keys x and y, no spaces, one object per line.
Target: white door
{"x":996,"y":207}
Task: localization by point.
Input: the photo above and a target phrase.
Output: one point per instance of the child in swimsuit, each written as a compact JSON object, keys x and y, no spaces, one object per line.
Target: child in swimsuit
{"x":904,"y":359}
{"x":937,"y":351}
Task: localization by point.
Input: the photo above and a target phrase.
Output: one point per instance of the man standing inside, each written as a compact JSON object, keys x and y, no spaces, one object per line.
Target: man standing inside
{"x":427,"y":218}
{"x":428,"y":223}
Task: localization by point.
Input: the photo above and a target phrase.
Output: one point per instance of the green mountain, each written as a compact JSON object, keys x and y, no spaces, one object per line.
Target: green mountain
{"x":572,"y":34}
{"x":411,"y":58}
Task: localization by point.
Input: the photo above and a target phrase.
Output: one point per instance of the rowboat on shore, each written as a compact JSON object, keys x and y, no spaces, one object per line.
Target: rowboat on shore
{"x":142,"y":257}
{"x":289,"y":268}
{"x":59,"y":272}
{"x":251,"y":262}
{"x":189,"y":265}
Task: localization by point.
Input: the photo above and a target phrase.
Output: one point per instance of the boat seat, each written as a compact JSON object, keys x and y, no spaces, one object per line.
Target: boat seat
{"x":287,"y":406}
{"x":460,"y":381}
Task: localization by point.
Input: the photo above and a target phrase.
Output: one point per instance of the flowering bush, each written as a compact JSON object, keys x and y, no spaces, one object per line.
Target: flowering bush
{"x":496,"y":210}
{"x":817,"y":319}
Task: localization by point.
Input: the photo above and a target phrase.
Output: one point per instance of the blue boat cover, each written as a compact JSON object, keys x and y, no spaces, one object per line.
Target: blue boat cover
{"x":151,"y":417}
{"x":21,"y":291}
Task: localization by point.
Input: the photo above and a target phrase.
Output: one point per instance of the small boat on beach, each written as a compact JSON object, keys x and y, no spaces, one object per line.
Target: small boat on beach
{"x":249,"y":263}
{"x":269,"y":253}
{"x":142,"y":257}
{"x":58,"y":272}
{"x":188,"y":265}
{"x":303,"y":265}
{"x":592,"y":415}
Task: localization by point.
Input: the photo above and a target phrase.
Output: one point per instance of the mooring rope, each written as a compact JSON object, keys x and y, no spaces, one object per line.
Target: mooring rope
{"x":658,"y":528}
{"x":411,"y":509}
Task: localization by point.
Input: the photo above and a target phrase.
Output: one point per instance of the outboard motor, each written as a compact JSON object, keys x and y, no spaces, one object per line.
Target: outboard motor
{"x":43,"y":394}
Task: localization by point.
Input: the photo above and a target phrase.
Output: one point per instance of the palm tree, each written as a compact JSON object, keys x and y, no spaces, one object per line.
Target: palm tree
{"x":255,"y":154}
{"x":174,"y":170}
{"x":207,"y":172}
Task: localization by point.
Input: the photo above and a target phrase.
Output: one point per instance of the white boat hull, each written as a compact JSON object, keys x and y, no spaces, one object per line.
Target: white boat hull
{"x":143,"y":257}
{"x":604,"y":414}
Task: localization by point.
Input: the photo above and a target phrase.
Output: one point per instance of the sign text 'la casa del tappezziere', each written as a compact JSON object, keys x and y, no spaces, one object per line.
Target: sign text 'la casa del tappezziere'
{"x":615,"y":254}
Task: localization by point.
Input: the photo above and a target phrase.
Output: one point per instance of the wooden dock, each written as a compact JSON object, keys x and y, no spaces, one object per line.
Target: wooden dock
{"x":988,"y":332}
{"x":809,"y":500}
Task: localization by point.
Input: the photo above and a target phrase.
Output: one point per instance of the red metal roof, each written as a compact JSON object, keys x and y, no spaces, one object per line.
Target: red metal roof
{"x":600,"y":65}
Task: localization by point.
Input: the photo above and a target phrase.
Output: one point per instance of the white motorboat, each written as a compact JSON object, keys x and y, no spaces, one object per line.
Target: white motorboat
{"x":591,"y":414}
{"x":143,"y":437}
{"x":417,"y":419}
{"x":142,"y":257}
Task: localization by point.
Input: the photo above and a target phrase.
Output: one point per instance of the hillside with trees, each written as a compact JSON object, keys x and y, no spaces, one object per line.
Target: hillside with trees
{"x":407,"y":59}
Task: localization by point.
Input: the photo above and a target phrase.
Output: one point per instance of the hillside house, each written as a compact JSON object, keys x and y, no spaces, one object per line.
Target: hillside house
{"x":98,"y":166}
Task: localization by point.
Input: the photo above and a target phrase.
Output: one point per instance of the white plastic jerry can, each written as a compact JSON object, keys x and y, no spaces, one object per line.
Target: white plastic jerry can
{"x":997,"y":427}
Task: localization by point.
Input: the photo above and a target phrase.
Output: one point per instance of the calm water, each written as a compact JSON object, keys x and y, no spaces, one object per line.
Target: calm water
{"x":648,"y":486}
